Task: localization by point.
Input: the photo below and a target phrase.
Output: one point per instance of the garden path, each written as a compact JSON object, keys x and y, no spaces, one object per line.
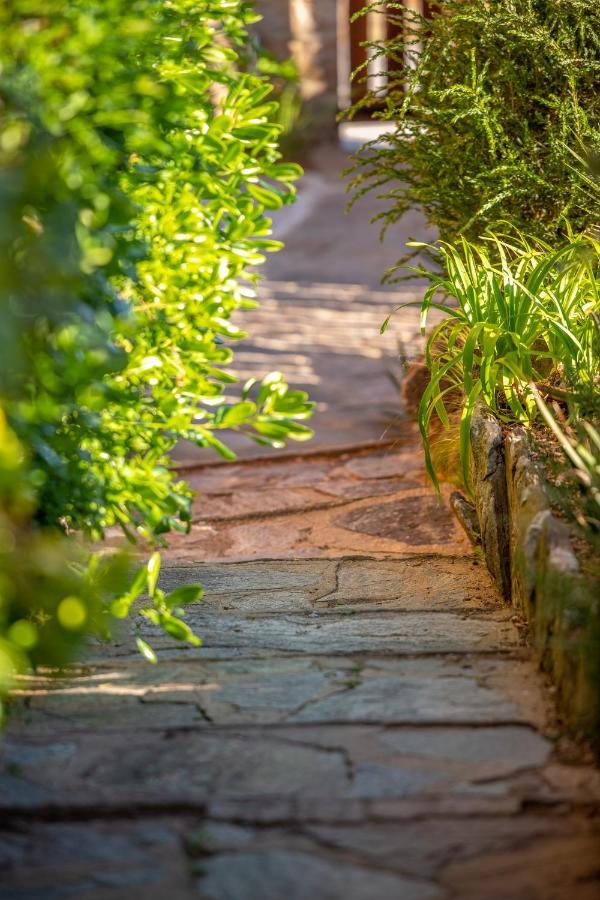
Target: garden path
{"x":363,"y":721}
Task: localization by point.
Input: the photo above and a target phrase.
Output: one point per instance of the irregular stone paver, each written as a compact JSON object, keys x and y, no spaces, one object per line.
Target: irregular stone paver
{"x":413,"y":519}
{"x":273,"y":874}
{"x":258,"y":586}
{"x":104,"y":859}
{"x":275,"y":689}
{"x":418,"y":583}
{"x":340,"y":632}
{"x":363,"y":721}
{"x":332,"y":504}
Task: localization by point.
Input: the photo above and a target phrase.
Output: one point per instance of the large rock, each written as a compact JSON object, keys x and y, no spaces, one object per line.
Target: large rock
{"x":528,"y":508}
{"x":489,"y":488}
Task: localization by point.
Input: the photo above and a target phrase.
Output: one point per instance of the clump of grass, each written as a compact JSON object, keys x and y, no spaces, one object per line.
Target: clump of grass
{"x":517,"y":314}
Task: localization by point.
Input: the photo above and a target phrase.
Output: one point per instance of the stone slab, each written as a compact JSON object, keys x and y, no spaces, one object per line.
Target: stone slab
{"x":342,"y":632}
{"x":257,"y":586}
{"x":307,"y":767}
{"x":425,"y":582}
{"x":276,"y":690}
{"x":274,"y":874}
{"x":411,"y":519}
{"x":420,"y":691}
{"x":95,"y":860}
{"x":420,"y":583}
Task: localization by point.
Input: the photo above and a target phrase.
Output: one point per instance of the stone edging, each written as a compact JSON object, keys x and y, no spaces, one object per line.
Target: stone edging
{"x":529,"y":553}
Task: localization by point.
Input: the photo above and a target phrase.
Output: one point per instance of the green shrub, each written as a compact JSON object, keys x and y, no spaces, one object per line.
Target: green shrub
{"x":138,"y":157}
{"x":492,"y":94}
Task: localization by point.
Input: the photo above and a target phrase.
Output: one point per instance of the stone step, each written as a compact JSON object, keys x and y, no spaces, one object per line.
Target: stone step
{"x":317,"y":766}
{"x":277,"y":690}
{"x":264,"y":586}
{"x":374,"y":503}
{"x":184,"y":856}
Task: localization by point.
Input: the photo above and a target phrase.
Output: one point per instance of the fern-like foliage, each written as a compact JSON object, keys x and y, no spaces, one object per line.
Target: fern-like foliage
{"x":487,"y":96}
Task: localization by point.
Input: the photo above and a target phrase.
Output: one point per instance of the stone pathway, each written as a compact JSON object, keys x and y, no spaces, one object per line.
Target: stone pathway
{"x":364,"y":720}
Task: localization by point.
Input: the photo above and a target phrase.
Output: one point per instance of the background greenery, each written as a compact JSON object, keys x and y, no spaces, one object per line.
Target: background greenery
{"x":487,"y":97}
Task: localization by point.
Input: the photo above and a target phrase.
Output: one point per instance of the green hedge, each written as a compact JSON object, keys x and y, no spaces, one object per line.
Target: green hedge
{"x":138,"y":158}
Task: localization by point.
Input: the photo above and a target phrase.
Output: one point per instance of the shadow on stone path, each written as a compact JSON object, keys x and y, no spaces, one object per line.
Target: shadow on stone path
{"x":363,"y":721}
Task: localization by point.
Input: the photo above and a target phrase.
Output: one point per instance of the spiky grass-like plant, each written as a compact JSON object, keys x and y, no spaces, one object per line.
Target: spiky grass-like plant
{"x":516,"y":313}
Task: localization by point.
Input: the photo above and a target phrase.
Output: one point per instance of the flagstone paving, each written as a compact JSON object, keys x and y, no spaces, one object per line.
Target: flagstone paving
{"x":363,"y":721}
{"x":352,"y":727}
{"x":371,"y":502}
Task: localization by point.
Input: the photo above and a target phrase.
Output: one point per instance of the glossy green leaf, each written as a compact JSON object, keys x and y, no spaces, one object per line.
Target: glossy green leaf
{"x":181,"y":596}
{"x":146,"y":650}
{"x":153,"y":569}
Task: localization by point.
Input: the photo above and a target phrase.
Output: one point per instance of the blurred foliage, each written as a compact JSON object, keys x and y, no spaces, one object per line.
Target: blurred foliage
{"x":138,"y":158}
{"x":303,"y":123}
{"x":52,"y":591}
{"x":579,"y":439}
{"x":284,"y":76}
{"x":486,"y":97}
